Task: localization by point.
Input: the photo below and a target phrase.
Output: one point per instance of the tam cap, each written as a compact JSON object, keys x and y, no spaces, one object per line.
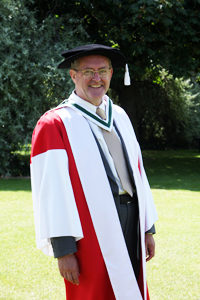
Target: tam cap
{"x":118,"y":60}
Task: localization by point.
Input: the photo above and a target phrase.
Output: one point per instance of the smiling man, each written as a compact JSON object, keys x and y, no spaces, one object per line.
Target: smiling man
{"x":92,"y":78}
{"x":92,"y":202}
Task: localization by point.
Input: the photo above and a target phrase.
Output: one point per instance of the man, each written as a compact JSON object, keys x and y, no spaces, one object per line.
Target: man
{"x":92,"y":202}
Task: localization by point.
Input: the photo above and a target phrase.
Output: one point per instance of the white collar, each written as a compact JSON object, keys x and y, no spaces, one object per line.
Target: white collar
{"x":87,"y":105}
{"x":88,"y":110}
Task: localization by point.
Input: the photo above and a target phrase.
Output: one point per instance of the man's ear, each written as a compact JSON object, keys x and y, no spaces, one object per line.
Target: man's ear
{"x":111,"y":73}
{"x":73,"y":75}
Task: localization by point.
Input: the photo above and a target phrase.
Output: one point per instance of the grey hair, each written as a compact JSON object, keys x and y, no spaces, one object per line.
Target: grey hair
{"x":74,"y":64}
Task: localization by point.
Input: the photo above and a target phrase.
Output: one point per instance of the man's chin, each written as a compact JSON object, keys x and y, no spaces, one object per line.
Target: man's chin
{"x":96,"y":93}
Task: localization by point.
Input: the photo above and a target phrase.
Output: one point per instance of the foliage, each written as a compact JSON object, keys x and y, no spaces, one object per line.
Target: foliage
{"x":172,"y":118}
{"x":148,"y":32}
{"x":30,"y":84}
{"x":153,"y":34}
{"x":193,"y":129}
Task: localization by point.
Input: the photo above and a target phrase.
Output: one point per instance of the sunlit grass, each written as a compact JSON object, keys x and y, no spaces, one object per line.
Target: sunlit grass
{"x":25,"y":273}
{"x":174,"y":272}
{"x":174,"y":177}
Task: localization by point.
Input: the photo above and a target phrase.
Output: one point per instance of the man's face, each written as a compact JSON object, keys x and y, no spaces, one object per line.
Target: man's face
{"x":93,"y":89}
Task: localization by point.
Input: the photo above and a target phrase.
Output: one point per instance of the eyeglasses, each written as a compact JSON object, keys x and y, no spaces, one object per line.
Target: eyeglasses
{"x":88,"y":74}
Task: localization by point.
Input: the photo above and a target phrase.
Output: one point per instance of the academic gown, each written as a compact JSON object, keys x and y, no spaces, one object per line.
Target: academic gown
{"x":67,"y":176}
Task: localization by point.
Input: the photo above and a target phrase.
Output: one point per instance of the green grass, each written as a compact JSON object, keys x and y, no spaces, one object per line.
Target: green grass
{"x":174,"y":272}
{"x":174,"y":176}
{"x":25,"y":273}
{"x":173,"y":170}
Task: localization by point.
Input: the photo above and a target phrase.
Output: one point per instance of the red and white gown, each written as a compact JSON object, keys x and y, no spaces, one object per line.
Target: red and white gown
{"x":67,"y":176}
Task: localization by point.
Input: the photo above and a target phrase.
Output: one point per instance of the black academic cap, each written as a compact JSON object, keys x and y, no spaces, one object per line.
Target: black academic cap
{"x":117,"y":58}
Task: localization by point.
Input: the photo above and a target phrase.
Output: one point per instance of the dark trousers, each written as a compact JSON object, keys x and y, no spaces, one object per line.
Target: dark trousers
{"x":129,"y":219}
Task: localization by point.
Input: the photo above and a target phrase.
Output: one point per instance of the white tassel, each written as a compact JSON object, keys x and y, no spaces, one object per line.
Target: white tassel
{"x":127,"y":79}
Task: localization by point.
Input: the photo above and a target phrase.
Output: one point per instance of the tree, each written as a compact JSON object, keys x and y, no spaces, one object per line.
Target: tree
{"x":193,"y":128}
{"x":30,"y":84}
{"x":148,"y":32}
{"x":172,"y":118}
{"x":153,"y":34}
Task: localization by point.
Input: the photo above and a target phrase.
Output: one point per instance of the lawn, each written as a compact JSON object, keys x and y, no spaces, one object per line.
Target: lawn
{"x":174,"y":176}
{"x":25,"y":273}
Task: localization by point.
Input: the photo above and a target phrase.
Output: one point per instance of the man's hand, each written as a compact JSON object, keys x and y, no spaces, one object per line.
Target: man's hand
{"x":150,"y":246}
{"x":68,"y":267}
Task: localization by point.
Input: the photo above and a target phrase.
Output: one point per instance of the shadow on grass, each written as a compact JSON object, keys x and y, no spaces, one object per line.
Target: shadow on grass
{"x":15,"y":184}
{"x":173,"y":169}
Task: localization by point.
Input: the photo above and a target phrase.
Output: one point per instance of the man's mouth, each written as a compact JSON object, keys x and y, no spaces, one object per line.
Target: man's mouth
{"x":96,"y":86}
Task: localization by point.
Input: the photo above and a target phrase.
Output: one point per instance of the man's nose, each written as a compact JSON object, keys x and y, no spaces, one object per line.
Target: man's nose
{"x":96,"y":77}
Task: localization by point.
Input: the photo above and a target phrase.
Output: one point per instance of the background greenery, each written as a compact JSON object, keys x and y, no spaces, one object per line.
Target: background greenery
{"x":173,"y":274}
{"x":161,"y":40}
